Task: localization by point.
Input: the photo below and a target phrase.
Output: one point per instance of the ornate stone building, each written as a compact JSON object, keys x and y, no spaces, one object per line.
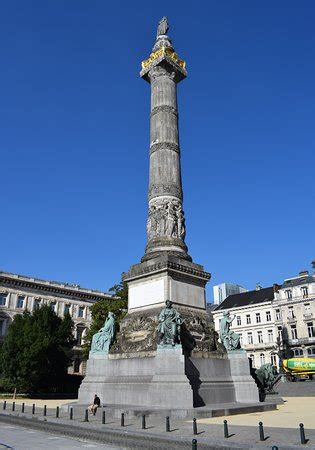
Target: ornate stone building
{"x":276,"y":317}
{"x":19,"y":292}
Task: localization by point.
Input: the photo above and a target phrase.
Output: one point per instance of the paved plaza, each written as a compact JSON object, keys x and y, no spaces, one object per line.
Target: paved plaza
{"x":281,"y":427}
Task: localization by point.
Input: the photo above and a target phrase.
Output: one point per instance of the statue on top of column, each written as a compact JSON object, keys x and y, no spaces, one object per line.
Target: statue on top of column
{"x":162,"y":27}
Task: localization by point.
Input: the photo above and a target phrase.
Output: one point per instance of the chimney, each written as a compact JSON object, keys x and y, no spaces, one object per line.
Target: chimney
{"x":258,"y":286}
{"x":303,"y":273}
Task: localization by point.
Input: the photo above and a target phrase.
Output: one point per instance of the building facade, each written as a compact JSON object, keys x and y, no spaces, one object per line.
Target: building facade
{"x":18,"y":293}
{"x":223,"y":290}
{"x":273,"y":318}
{"x":255,"y":323}
{"x":294,"y":305}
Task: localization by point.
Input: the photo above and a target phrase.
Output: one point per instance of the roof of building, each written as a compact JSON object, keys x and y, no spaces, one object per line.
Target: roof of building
{"x":247,"y":298}
{"x":72,"y":290}
{"x":297,"y":281}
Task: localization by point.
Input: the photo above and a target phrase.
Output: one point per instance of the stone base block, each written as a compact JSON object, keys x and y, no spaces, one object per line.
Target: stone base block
{"x":168,"y":379}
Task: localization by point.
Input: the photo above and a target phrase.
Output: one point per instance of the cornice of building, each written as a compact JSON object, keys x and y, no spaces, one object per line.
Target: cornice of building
{"x":69,"y":290}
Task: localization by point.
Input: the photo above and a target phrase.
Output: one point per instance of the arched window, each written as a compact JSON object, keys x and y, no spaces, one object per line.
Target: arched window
{"x":273,"y":358}
{"x":262,"y":359}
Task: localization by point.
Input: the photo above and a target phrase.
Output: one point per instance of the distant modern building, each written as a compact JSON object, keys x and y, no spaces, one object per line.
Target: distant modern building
{"x":19,"y":292}
{"x":223,"y":290}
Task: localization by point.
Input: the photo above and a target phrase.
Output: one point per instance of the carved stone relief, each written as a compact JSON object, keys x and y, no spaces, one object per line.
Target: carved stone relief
{"x":166,"y":218}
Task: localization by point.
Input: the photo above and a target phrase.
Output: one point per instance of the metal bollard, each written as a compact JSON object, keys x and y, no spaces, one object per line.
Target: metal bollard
{"x":45,"y":410}
{"x":13,"y":406}
{"x":33,"y":408}
{"x":195,"y":431}
{"x":225,"y":429}
{"x":143,"y":422}
{"x":261,"y":432}
{"x":274,"y":447}
{"x":86,"y":416}
{"x":194,"y":444}
{"x":302,"y":434}
{"x":57,"y":412}
{"x":122,"y":420}
{"x":168,"y":426}
{"x":104,"y":418}
{"x":23,"y":407}
{"x":71,"y":413}
{"x":4,"y":404}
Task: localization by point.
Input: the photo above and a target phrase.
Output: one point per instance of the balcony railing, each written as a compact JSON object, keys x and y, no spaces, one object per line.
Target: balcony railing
{"x":308,"y":315}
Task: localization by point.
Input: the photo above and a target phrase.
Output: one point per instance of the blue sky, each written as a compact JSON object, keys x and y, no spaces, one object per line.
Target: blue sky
{"x":74,"y":136}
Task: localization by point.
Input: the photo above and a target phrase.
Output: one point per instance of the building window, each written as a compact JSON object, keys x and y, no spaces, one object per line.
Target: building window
{"x":250,"y":338}
{"x":298,"y":352}
{"x":258,"y":319}
{"x":278,"y":314}
{"x":80,"y":332}
{"x":37,"y":303}
{"x":310,"y":329}
{"x":307,"y":309}
{"x":280,"y":336}
{"x":268,"y":316}
{"x":311,"y":351}
{"x":262,"y":359}
{"x":76,"y":366}
{"x":238,"y":320}
{"x":273,"y":358}
{"x":293,"y":332}
{"x":3,"y":299}
{"x":260,"y":337}
{"x":66,"y":309}
{"x":20,"y":302}
{"x":291,"y":313}
{"x":252,"y":357}
{"x":304,"y":291}
{"x":53,"y":306}
{"x":288,"y":293}
{"x":270,"y":336}
{"x":81,"y":311}
{"x":241,"y":340}
{"x":248,"y":321}
{"x":2,"y":322}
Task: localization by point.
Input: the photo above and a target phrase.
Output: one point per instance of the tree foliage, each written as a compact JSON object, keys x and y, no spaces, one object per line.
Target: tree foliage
{"x":99,"y":311}
{"x":36,"y":352}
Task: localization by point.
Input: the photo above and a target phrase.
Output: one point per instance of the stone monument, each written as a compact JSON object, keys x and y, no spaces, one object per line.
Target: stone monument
{"x":166,"y":353}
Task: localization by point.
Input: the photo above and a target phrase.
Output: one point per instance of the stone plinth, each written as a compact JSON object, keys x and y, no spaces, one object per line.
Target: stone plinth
{"x":168,"y":379}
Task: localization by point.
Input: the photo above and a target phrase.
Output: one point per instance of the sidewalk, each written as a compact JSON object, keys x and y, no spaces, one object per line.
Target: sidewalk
{"x":243,"y":429}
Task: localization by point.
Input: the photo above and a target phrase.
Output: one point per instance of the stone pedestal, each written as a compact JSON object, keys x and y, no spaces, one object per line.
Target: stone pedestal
{"x":167,"y":379}
{"x":245,"y":387}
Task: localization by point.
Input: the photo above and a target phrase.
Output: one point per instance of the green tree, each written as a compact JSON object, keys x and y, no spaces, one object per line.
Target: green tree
{"x":99,"y":311}
{"x":37,"y":351}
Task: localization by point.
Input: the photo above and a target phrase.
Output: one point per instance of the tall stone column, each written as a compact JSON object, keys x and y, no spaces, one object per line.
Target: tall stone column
{"x":166,"y":222}
{"x":166,"y":271}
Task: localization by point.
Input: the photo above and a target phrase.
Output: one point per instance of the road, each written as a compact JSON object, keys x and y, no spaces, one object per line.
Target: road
{"x":19,"y":438}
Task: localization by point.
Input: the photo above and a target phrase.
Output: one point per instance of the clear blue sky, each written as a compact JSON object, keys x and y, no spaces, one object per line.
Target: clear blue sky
{"x":74,"y":136}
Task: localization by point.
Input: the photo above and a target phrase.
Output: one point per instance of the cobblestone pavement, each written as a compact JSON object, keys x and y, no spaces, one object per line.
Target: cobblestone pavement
{"x":210,"y":436}
{"x":296,"y":389}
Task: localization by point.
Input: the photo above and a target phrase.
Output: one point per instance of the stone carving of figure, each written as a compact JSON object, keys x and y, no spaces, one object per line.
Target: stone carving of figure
{"x":229,"y":339}
{"x":181,"y":230}
{"x":103,"y":339}
{"x":171,"y":221}
{"x":162,"y":27}
{"x":170,"y":323}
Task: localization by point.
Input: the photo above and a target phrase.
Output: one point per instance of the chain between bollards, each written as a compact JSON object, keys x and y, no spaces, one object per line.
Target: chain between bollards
{"x":261,"y":431}
{"x":45,"y":410}
{"x":122,"y":420}
{"x":195,"y":431}
{"x":194,"y":444}
{"x":23,"y":407}
{"x":4,"y":404}
{"x":225,"y":428}
{"x":86,"y":416}
{"x":33,"y":408}
{"x":302,"y":434}
{"x":71,"y":414}
{"x":13,"y":406}
{"x":103,"y":417}
{"x":143,"y":422}
{"x":167,"y":424}
{"x":57,"y":412}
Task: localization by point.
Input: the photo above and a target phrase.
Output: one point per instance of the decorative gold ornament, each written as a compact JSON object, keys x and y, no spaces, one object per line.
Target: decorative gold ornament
{"x":163,"y":51}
